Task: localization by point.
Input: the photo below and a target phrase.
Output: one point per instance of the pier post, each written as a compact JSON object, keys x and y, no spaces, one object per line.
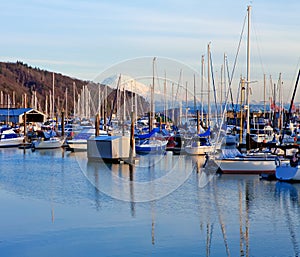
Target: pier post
{"x":62,"y":123}
{"x":198,"y":122}
{"x":56,"y":122}
{"x":24,"y":122}
{"x":104,"y":121}
{"x":97,"y":123}
{"x":132,"y":145}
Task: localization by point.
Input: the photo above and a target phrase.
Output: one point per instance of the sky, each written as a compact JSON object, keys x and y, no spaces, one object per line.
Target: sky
{"x":82,"y":39}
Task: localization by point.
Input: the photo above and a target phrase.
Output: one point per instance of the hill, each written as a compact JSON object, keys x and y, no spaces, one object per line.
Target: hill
{"x":20,"y":79}
{"x":24,"y":86}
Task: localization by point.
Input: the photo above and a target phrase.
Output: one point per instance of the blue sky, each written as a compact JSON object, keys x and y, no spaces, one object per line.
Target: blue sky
{"x":83,"y":38}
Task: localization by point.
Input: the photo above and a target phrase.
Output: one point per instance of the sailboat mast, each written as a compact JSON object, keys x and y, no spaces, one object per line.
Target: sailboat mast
{"x":264,"y":95}
{"x":66,"y":95}
{"x":165,"y":98}
{"x":248,"y":80}
{"x":195,"y":105}
{"x":208,"y":85}
{"x":221,"y":89}
{"x":202,"y":83}
{"x":186,"y":102}
{"x":153,"y":101}
{"x":74,"y":101}
{"x":53,"y":99}
{"x":152,"y":116}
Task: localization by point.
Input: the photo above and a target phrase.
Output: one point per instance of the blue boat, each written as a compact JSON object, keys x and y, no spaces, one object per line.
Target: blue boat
{"x":152,"y":142}
{"x":151,"y":145}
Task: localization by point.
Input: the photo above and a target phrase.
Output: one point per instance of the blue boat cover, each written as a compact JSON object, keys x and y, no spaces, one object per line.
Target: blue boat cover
{"x":206,"y":133}
{"x":144,"y":136}
{"x":49,"y":134}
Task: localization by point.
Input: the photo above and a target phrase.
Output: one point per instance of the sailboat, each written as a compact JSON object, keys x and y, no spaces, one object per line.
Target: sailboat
{"x":153,"y":142}
{"x":290,"y":170}
{"x":200,"y":145}
{"x":231,"y":160}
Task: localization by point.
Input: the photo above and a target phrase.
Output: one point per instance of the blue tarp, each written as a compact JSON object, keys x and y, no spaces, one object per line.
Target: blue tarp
{"x":206,"y":133}
{"x":144,"y":136}
{"x":49,"y":134}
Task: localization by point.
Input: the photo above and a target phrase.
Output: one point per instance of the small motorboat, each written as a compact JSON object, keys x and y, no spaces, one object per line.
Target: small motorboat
{"x":9,"y":138}
{"x":48,"y":140}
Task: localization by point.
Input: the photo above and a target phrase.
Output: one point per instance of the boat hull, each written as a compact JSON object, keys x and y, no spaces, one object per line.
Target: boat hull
{"x":198,"y":150}
{"x":285,"y":172}
{"x":155,"y":147}
{"x":77,"y":145}
{"x":247,"y":166}
{"x":48,"y":144}
{"x":11,"y":142}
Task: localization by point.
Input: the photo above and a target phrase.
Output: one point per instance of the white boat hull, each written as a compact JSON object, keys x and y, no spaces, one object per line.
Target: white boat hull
{"x":285,"y":172}
{"x":78,"y":145}
{"x":11,"y":142}
{"x":247,"y":165}
{"x":198,"y":150}
{"x":48,"y":144}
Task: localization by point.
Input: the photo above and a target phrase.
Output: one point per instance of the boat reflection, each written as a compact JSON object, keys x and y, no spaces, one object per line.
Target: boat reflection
{"x":287,"y":190}
{"x":150,"y":178}
{"x":288,"y":195}
{"x":205,"y":174}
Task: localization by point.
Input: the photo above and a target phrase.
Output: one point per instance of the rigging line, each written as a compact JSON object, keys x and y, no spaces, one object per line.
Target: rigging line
{"x":239,"y":90}
{"x":213,"y":81}
{"x":229,"y":89}
{"x":291,"y":82}
{"x":258,"y":48}
{"x":114,"y":102}
{"x":157,"y":77}
{"x":178,"y":85}
{"x":237,"y":53}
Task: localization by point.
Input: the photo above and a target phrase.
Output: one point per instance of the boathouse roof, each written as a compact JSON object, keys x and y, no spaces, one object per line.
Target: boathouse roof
{"x":15,"y":115}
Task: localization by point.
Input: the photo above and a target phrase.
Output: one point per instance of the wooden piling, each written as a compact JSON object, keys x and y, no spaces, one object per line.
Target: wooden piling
{"x":132,"y":143}
{"x":25,"y":126}
{"x":198,"y":122}
{"x":62,"y":123}
{"x":97,"y":125}
{"x":105,"y":121}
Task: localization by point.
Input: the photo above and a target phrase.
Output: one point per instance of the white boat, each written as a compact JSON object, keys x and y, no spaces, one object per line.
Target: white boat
{"x":48,"y":141}
{"x":231,"y":161}
{"x":200,"y":145}
{"x":262,"y":135}
{"x":9,"y":138}
{"x":79,"y":141}
{"x":51,"y":143}
{"x":288,"y":170}
{"x":198,"y":149}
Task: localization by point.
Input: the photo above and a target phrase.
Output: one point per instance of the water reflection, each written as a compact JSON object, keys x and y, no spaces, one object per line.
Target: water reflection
{"x":288,"y":195}
{"x":150,"y":178}
{"x":206,"y":174}
{"x":230,"y":216}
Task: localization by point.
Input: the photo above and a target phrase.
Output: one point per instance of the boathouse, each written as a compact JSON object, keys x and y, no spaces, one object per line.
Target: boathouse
{"x":15,"y":115}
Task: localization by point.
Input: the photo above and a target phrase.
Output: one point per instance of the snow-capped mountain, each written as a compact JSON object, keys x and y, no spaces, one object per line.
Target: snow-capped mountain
{"x":129,"y":83}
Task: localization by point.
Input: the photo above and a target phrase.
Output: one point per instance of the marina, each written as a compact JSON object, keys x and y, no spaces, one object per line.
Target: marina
{"x":153,"y":156}
{"x":58,"y":203}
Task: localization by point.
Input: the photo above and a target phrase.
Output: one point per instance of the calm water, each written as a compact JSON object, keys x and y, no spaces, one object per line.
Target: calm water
{"x":55,"y":203}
